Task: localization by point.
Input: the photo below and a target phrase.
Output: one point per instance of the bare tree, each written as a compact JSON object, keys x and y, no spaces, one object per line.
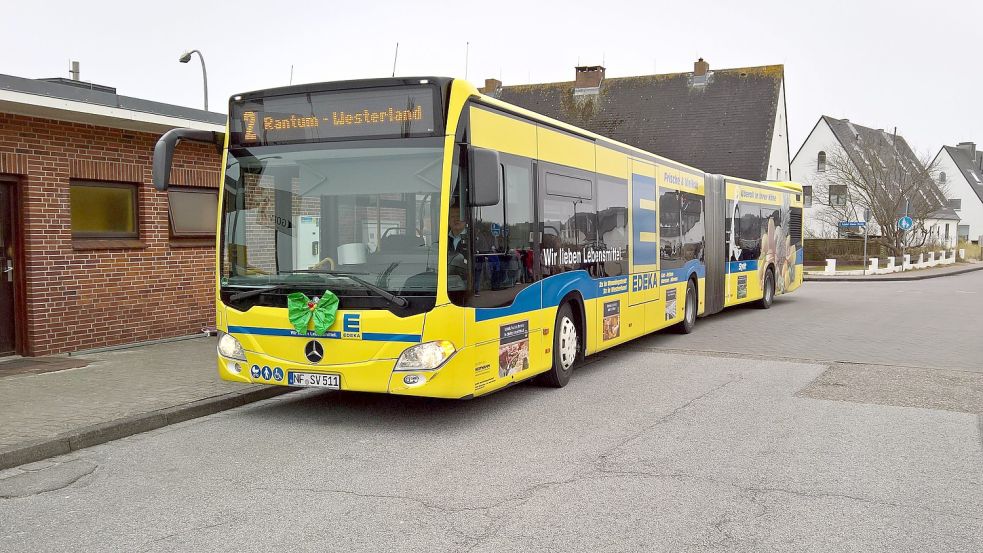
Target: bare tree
{"x":875,"y":178}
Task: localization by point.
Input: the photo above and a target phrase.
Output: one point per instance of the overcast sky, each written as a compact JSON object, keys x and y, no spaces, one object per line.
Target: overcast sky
{"x":914,"y":65}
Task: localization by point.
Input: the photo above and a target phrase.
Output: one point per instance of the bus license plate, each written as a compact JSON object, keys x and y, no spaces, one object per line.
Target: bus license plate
{"x":332,"y":381}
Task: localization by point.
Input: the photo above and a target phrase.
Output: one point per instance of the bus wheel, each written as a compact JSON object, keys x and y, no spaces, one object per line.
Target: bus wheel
{"x":566,"y":348}
{"x":769,"y":292}
{"x":689,"y":310}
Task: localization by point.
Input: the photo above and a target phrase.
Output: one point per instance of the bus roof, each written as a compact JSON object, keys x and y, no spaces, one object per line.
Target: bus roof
{"x":785,"y":185}
{"x":444,"y":82}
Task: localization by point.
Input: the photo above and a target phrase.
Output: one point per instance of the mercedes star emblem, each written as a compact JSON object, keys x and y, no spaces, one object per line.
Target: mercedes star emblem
{"x":314,"y":351}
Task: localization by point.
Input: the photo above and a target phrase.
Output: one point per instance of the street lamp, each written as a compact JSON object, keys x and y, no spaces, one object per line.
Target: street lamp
{"x":185,"y":58}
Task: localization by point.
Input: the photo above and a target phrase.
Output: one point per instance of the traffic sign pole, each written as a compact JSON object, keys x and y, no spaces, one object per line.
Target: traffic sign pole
{"x":907,"y":206}
{"x":865,"y":250}
{"x":866,"y":220}
{"x":904,"y":225}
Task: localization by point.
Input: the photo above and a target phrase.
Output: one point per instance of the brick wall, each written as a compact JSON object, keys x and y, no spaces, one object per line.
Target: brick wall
{"x":85,"y":298}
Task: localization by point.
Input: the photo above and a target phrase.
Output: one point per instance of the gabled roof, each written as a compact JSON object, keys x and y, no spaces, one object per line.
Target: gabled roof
{"x":720,"y":123}
{"x":946,"y":213}
{"x":851,"y":134}
{"x":888,"y":149}
{"x":968,"y":168}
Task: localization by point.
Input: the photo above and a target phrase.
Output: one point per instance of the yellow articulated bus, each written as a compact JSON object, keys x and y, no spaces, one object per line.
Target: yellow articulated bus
{"x":413,"y":236}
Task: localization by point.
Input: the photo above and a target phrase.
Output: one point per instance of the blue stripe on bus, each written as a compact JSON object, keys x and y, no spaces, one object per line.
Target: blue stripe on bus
{"x":549,"y":291}
{"x":799,"y":255}
{"x":384,"y":337}
{"x":545,"y":293}
{"x":332,"y":334}
{"x":742,"y":266}
{"x":670,"y":276}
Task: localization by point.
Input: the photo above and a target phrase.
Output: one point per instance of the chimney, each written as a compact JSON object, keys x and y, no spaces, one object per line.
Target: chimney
{"x":74,"y":71}
{"x":700,"y":68}
{"x":969,"y":148}
{"x":491,"y":86}
{"x":588,"y":76}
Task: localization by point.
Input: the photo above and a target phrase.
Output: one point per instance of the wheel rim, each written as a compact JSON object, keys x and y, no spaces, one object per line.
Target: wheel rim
{"x":770,"y":288}
{"x":568,"y":343}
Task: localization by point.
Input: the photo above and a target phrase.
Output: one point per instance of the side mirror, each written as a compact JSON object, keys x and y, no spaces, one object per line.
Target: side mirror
{"x":486,"y":177}
{"x":164,"y":151}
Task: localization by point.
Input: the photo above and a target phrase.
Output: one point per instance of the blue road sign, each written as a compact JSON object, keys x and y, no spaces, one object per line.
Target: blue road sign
{"x":849,"y":224}
{"x":905,"y":223}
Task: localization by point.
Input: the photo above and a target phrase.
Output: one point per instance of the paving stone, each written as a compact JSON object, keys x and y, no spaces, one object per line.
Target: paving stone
{"x":114,"y":385}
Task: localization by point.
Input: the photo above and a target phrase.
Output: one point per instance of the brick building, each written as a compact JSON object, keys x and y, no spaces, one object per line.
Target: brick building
{"x":92,"y":255}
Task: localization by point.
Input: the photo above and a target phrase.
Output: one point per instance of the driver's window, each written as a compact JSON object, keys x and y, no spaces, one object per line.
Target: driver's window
{"x":502,"y":238}
{"x":488,"y":231}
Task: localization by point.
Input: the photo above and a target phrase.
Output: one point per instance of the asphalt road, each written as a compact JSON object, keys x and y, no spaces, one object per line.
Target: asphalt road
{"x":656,"y":445}
{"x":918,"y":323}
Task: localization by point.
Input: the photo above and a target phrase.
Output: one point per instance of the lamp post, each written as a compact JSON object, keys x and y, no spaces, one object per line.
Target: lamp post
{"x":185,"y":58}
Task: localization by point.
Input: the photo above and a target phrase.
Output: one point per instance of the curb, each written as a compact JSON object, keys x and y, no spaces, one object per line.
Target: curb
{"x":872,"y":278}
{"x":88,"y":436}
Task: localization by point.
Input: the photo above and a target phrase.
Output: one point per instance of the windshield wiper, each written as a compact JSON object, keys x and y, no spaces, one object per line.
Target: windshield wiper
{"x":257,"y":291}
{"x":381,"y":292}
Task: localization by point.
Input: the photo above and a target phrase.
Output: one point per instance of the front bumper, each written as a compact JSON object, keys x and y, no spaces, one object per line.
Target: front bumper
{"x":454,"y":379}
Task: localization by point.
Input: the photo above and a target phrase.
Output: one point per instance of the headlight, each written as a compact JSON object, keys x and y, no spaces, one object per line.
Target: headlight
{"x":229,"y":347}
{"x":425,"y":357}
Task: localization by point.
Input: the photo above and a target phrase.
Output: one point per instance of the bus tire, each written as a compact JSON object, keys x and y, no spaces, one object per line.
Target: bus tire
{"x":768,"y":295}
{"x":690,"y":307}
{"x":566,"y":348}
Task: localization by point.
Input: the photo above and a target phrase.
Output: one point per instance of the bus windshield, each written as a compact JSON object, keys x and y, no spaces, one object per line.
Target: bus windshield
{"x":316,"y":212}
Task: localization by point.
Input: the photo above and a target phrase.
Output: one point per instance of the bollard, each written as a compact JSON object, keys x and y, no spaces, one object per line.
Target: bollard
{"x":873,"y":266}
{"x":906,"y":263}
{"x":931,"y":260}
{"x":830,"y":267}
{"x":962,"y":254}
{"x":890,"y":265}
{"x":921,"y":261}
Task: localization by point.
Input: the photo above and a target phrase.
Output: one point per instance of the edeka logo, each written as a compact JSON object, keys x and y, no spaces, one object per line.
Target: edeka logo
{"x":351,"y":326}
{"x":644,"y":281}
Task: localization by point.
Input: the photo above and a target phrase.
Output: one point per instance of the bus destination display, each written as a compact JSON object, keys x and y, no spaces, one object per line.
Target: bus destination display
{"x":313,"y":117}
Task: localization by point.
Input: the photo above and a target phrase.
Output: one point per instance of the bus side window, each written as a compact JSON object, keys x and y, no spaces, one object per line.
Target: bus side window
{"x":749,"y":234}
{"x":569,"y":223}
{"x":520,"y":222}
{"x":691,"y":226}
{"x":670,"y":242}
{"x":488,"y":222}
{"x":503,"y":240}
{"x":612,"y":224}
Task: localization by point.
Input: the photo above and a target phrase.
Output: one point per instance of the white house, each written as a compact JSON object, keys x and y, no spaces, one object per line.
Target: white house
{"x":831,"y":137}
{"x":960,"y":173}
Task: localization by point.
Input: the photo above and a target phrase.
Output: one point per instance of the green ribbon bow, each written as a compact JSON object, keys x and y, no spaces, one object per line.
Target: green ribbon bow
{"x":302,"y":309}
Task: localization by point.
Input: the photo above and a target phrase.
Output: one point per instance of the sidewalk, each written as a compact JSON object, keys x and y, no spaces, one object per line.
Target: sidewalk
{"x":49,"y":408}
{"x":918,"y":274}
